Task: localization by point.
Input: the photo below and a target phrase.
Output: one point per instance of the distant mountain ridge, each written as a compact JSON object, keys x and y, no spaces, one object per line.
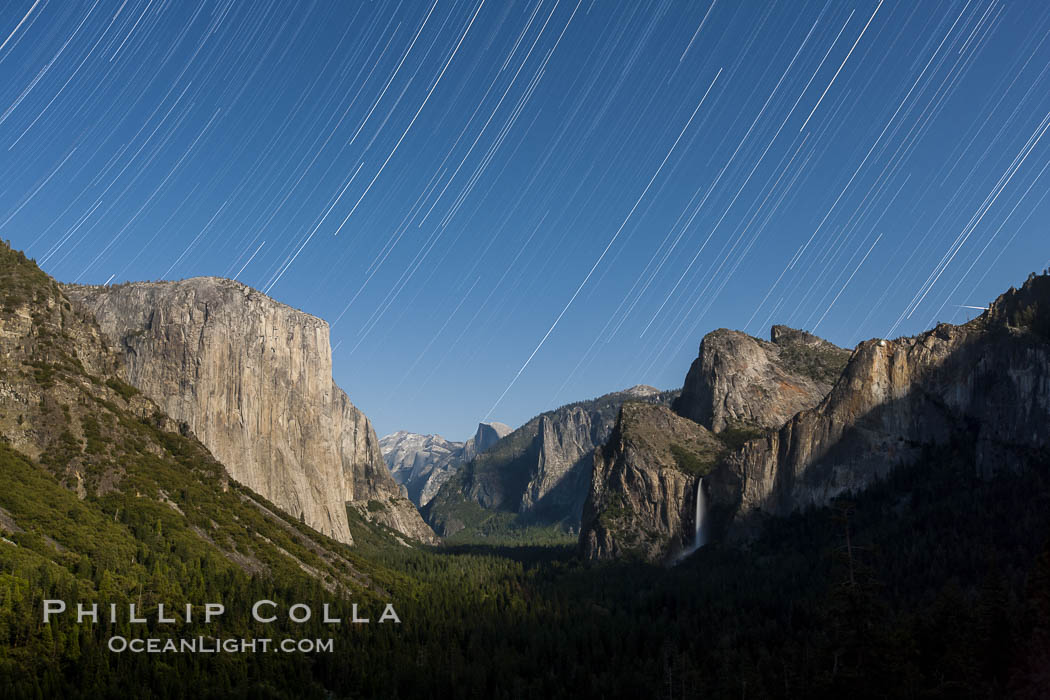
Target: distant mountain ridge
{"x":412,"y":457}
{"x":539,"y":472}
{"x":423,"y":463}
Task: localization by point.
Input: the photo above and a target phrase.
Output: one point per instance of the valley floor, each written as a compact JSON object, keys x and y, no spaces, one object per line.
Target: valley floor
{"x":942,"y":592}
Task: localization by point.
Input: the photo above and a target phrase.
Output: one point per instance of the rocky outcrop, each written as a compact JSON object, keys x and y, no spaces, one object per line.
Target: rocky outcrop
{"x":564,"y":443}
{"x":252,"y":379}
{"x":413,"y":459}
{"x":485,"y":437}
{"x":642,"y":498}
{"x":739,"y":387}
{"x":542,"y":470}
{"x":745,"y":383}
{"x":95,"y":478}
{"x":984,"y":385}
{"x":48,"y":349}
{"x":423,"y":463}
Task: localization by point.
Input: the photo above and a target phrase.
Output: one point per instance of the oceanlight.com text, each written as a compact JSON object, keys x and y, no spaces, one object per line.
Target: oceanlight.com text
{"x":211,"y":645}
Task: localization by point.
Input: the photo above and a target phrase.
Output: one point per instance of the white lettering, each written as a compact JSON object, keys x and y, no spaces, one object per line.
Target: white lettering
{"x":131,"y":616}
{"x":259,"y":604}
{"x":91,"y":612}
{"x":213,"y":610}
{"x":328,"y":616}
{"x":53,"y":607}
{"x":160,"y":616}
{"x":303,"y":617}
{"x":389,"y":614}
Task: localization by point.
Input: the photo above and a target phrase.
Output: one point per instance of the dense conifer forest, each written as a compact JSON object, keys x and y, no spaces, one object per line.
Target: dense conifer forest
{"x":933,"y":584}
{"x":267,"y":253}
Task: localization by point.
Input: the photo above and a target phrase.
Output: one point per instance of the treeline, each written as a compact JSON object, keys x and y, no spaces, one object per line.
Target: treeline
{"x":932,"y":584}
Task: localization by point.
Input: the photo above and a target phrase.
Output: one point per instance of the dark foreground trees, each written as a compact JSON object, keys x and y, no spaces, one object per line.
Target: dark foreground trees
{"x":942,"y":592}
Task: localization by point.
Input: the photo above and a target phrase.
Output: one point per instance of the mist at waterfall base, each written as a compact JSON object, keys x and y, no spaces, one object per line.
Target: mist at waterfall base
{"x":700,"y":533}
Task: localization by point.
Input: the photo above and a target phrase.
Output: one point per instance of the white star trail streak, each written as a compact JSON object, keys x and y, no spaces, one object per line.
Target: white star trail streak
{"x":501,"y":206}
{"x":761,"y":112}
{"x":604,"y":251}
{"x":18,"y":26}
{"x":834,"y":77}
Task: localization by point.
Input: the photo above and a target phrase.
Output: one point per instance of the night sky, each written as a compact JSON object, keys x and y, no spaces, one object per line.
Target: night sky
{"x":504,"y":207}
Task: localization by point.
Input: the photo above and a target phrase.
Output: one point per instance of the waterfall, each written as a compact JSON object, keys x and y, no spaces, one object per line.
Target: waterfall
{"x":700,"y":537}
{"x":700,"y":534}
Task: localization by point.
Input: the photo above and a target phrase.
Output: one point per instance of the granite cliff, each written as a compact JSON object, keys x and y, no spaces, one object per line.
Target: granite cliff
{"x":486,"y":436}
{"x":983,"y":385}
{"x":252,"y":379}
{"x":103,"y":492}
{"x":642,"y":500}
{"x":742,"y":382}
{"x":541,"y":472}
{"x":423,"y":463}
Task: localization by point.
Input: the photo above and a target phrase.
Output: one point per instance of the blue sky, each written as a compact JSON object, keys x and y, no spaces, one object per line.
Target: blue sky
{"x":503,"y":207}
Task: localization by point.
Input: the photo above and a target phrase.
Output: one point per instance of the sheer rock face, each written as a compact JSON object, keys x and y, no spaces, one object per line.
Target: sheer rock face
{"x":564,"y":441}
{"x":741,"y":381}
{"x":543,"y":469}
{"x":638,"y":500}
{"x":642,"y":499}
{"x":984,"y":386}
{"x":561,"y":455}
{"x":252,"y":378}
{"x":486,"y":436}
{"x":64,"y":404}
{"x":423,"y":463}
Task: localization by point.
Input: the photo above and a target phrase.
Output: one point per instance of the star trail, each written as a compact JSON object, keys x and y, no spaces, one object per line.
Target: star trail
{"x":505,"y":206}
